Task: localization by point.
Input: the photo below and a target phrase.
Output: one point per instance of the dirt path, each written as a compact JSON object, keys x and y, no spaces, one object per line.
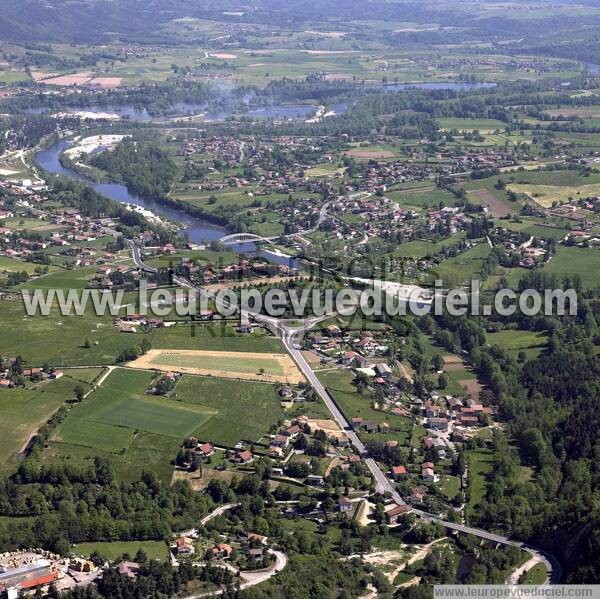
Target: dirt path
{"x":421,"y":553}
{"x":516,"y":575}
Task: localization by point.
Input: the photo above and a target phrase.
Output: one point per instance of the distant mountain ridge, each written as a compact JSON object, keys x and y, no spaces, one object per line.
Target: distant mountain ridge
{"x":143,"y":21}
{"x":103,"y":20}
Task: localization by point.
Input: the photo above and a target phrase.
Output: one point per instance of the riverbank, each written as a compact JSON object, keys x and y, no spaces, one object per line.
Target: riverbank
{"x":194,"y":225}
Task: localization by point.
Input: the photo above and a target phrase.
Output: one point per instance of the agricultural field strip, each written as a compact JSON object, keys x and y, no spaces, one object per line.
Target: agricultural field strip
{"x":245,"y":365}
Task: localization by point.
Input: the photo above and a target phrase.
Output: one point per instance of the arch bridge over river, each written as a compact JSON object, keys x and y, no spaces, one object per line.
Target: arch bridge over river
{"x":241,"y":238}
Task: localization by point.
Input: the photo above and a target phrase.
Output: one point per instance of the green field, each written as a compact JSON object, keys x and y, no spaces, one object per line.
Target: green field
{"x":421,"y":249}
{"x":116,"y":549}
{"x":58,"y":340}
{"x":140,"y":432}
{"x":154,"y":416}
{"x":483,"y":125}
{"x":112,"y":416}
{"x":119,"y":421}
{"x":537,"y":575}
{"x":465,"y":266}
{"x":11,"y":265}
{"x":241,"y":411}
{"x":547,"y":195}
{"x":354,"y":405}
{"x":530,"y":342}
{"x":13,"y":76}
{"x":450,"y":486}
{"x":574,"y":260}
{"x":418,"y":199}
{"x":480,"y":466}
{"x":24,"y":411}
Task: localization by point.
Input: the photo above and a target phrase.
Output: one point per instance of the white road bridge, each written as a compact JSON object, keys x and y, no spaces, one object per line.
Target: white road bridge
{"x":241,"y":238}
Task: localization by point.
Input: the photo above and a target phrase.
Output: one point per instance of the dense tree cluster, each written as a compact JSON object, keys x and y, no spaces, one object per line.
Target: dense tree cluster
{"x":145,"y":168}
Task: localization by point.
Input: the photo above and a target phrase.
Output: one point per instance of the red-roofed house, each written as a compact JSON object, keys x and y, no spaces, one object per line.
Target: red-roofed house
{"x":398,"y":472}
{"x":222,"y":551}
{"x":206,"y":450}
{"x":243,"y":457}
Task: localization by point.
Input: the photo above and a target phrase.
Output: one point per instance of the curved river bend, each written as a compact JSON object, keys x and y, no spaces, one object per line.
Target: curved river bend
{"x":198,"y":230}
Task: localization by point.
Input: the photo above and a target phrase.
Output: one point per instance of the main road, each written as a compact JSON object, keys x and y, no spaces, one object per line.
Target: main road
{"x":289,"y":336}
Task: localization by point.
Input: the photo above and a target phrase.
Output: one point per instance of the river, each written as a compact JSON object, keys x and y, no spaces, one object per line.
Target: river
{"x":187,"y":109}
{"x":278,"y":111}
{"x":198,"y":230}
{"x":435,"y":85}
{"x":593,"y":68}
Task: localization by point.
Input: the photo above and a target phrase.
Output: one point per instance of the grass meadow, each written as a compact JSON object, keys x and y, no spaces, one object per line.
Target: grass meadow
{"x":24,"y":411}
{"x":113,"y":550}
{"x":143,"y":432}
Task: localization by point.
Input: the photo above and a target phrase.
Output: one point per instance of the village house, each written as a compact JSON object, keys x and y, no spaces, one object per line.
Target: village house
{"x":280,"y":441}
{"x":243,"y":457}
{"x":417,"y":495}
{"x":184,"y":546}
{"x":427,"y":472}
{"x":220,"y":551}
{"x":397,"y":511}
{"x":398,"y":472}
{"x":205,"y":450}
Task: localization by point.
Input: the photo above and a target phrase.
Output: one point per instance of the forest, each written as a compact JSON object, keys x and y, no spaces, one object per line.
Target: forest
{"x":550,"y":405}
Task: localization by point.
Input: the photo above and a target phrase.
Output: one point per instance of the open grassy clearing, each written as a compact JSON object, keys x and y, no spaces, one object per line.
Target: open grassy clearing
{"x":421,"y":249}
{"x":115,"y":549}
{"x":569,"y":261}
{"x":353,"y":405}
{"x":450,"y":486}
{"x":326,"y":169}
{"x":145,"y":452}
{"x":24,"y":411}
{"x":482,"y":125}
{"x":12,"y":265}
{"x":154,"y":415}
{"x":426,"y":199}
{"x":372,"y":152}
{"x":480,"y":465}
{"x":582,"y":112}
{"x":465,"y":266}
{"x":19,"y":223}
{"x":120,"y":422}
{"x":84,"y":427}
{"x":119,"y":409}
{"x":530,"y":226}
{"x":537,"y":575}
{"x":547,"y":195}
{"x":58,"y":340}
{"x":246,"y":364}
{"x":241,"y":411}
{"x":532,"y":343}
{"x":139,"y":432}
{"x":13,"y":76}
